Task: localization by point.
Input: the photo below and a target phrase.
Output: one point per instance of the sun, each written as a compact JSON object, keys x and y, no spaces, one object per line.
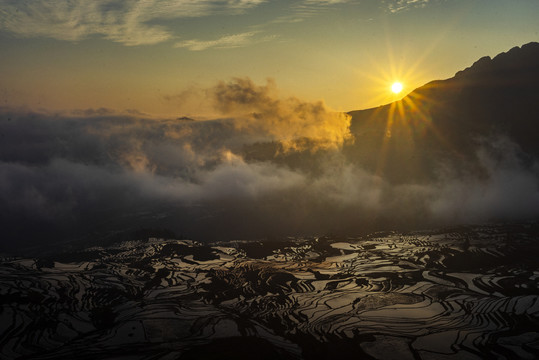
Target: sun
{"x":396,"y":87}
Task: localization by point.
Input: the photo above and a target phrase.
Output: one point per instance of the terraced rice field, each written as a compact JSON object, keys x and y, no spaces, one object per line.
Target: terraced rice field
{"x":467,"y":293}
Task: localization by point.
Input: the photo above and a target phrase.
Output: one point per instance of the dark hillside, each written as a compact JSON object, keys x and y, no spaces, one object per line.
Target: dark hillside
{"x":444,"y":121}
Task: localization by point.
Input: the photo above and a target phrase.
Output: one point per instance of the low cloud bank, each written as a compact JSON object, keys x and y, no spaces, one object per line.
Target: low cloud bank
{"x":63,"y":177}
{"x":259,"y":110}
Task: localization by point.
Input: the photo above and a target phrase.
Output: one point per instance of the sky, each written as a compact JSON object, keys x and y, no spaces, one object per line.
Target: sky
{"x":159,"y":57}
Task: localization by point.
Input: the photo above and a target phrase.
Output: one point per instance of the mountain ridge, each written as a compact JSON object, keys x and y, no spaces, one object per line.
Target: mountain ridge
{"x":493,"y":97}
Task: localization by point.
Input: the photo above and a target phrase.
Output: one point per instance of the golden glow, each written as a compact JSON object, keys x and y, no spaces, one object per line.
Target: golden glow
{"x":396,"y":87}
{"x":407,"y":114}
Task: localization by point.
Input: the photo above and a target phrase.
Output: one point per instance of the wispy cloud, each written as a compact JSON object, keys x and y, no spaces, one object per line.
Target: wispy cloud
{"x":224,"y":42}
{"x":130,"y":22}
{"x":395,"y":6}
{"x":307,"y":8}
{"x":138,"y":22}
{"x":146,"y":22}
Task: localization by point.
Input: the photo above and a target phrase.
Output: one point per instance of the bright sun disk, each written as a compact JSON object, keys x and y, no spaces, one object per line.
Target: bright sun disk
{"x":396,"y":87}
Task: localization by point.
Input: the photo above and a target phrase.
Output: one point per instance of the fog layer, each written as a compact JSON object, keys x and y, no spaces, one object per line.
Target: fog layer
{"x":68,"y":176}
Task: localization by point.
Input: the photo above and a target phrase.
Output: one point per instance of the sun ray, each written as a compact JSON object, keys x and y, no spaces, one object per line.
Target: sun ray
{"x":406,"y":115}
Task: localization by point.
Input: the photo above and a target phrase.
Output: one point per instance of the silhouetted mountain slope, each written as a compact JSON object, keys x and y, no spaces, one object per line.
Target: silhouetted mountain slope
{"x":445,"y":121}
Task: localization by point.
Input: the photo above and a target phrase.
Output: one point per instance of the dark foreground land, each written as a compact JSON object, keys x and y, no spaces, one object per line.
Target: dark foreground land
{"x":466,"y":293}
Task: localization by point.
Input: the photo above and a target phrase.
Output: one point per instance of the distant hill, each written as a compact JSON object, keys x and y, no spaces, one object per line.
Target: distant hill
{"x":444,"y":121}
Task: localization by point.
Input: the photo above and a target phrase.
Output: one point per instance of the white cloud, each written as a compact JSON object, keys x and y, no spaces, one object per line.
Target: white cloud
{"x":227,"y":41}
{"x":401,"y":5}
{"x":130,"y":22}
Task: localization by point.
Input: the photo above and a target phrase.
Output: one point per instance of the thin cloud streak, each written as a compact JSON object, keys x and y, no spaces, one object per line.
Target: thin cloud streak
{"x":224,"y":42}
{"x":396,"y":6}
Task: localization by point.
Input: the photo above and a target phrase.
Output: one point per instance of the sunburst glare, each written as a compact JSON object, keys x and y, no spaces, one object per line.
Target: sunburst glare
{"x":407,"y":118}
{"x":396,"y":87}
